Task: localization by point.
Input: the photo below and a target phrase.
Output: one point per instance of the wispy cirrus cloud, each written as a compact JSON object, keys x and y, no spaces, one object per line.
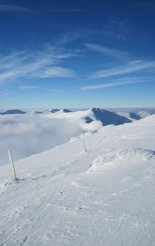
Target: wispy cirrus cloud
{"x":106,"y":51}
{"x":29,"y":87}
{"x":12,"y":8}
{"x":124,"y":81}
{"x":131,"y":67}
{"x":56,"y":71}
{"x":30,"y":65}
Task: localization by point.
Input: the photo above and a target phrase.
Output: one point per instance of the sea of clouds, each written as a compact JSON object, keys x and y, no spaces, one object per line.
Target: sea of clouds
{"x":28,"y":134}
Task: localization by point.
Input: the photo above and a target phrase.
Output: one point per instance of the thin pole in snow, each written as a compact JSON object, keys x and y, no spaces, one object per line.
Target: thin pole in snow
{"x":12,"y":164}
{"x":84,"y":144}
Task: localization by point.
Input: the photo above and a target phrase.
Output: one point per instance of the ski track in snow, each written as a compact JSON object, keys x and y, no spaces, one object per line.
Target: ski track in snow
{"x":104,"y":196}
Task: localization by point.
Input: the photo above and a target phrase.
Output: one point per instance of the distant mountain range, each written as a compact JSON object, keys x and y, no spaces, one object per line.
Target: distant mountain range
{"x":134,"y":113}
{"x":111,"y":116}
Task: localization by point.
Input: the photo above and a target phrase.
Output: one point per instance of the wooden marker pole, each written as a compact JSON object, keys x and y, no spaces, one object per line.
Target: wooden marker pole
{"x":12,"y":164}
{"x":84,"y":145}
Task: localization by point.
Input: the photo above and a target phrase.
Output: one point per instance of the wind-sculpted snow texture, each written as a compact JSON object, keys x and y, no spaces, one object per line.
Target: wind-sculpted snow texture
{"x":103,"y":194}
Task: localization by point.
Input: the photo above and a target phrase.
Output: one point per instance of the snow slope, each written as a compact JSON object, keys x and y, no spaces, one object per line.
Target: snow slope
{"x":101,"y":195}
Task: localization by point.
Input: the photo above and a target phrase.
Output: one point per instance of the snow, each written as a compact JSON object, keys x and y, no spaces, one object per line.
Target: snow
{"x":103,"y":195}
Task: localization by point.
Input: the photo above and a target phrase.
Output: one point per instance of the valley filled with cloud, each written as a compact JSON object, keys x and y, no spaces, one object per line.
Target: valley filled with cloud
{"x":29,"y":134}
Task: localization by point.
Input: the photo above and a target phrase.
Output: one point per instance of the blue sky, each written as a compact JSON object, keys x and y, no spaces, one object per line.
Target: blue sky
{"x":77,"y":53}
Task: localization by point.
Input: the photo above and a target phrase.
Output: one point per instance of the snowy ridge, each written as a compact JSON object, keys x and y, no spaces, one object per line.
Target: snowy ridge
{"x":91,"y":119}
{"x":94,"y":114}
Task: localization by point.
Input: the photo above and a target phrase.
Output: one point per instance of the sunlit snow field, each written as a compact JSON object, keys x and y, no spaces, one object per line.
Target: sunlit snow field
{"x":97,"y":189}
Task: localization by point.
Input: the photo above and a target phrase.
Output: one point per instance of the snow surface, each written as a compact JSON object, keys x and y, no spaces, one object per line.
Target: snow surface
{"x":96,"y":190}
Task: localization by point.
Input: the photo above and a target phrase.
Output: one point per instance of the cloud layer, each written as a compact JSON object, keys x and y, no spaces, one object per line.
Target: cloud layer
{"x":29,"y":134}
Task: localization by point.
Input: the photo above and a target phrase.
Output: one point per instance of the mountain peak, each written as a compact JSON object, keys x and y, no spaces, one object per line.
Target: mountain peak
{"x":13,"y":111}
{"x":106,"y":117}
